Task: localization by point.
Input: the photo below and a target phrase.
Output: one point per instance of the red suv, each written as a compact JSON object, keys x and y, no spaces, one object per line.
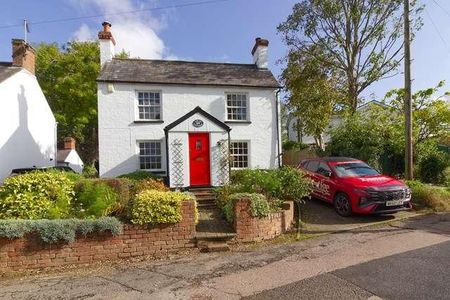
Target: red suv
{"x":354,"y":187}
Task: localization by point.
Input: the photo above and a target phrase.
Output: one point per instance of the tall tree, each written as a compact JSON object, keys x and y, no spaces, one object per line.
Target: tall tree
{"x":313,"y":94}
{"x":361,"y":39}
{"x":67,"y":76}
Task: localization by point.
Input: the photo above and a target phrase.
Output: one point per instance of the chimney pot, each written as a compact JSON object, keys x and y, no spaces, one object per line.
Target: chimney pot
{"x":69,"y":143}
{"x":23,"y":55}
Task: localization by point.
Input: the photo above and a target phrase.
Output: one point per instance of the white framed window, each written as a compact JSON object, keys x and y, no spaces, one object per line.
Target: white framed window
{"x":240,"y":154}
{"x":237,"y":107}
{"x":150,"y":155}
{"x":149,"y":105}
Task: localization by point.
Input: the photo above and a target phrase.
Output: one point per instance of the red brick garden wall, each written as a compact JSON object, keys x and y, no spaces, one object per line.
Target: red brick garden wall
{"x":135,"y":241}
{"x":251,"y":229}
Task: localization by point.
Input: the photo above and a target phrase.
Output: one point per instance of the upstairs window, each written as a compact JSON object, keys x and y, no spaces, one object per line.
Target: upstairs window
{"x":237,"y":107}
{"x":150,"y":155}
{"x":149,"y":105}
{"x":239,"y":154}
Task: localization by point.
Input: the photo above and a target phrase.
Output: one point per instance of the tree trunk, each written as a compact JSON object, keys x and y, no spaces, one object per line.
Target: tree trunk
{"x":319,"y":142}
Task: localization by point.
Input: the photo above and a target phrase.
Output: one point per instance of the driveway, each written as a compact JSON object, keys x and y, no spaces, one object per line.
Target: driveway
{"x":320,"y":217}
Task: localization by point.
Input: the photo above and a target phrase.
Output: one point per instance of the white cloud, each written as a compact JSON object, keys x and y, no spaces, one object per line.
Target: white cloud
{"x":136,"y":33}
{"x":84,"y":33}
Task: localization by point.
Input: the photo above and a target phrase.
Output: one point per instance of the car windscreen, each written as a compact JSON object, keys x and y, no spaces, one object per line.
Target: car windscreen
{"x":355,"y":169}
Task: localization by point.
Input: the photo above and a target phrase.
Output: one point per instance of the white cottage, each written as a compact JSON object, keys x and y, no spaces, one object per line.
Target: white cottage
{"x":188,"y":121}
{"x":28,"y":128}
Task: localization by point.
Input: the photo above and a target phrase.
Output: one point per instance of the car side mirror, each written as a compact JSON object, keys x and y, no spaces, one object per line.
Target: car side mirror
{"x":328,"y":174}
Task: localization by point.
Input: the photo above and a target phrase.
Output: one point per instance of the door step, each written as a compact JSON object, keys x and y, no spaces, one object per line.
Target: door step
{"x":214,"y":241}
{"x":206,"y":198}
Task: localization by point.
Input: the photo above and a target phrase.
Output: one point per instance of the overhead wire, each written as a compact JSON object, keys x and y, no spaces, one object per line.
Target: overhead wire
{"x":115,"y":14}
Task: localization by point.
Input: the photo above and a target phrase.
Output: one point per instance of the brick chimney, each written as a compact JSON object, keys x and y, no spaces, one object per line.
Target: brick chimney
{"x":69,"y":143}
{"x":259,"y":53}
{"x":23,"y":55}
{"x":107,"y":43}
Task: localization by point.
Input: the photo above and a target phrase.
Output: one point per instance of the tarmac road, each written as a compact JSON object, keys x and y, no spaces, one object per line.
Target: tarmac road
{"x":417,"y":274}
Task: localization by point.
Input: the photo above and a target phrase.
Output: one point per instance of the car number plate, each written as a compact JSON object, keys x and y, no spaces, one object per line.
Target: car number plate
{"x":394,"y":202}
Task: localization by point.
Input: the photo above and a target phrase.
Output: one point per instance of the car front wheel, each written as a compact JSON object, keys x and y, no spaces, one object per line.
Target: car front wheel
{"x":342,"y":205}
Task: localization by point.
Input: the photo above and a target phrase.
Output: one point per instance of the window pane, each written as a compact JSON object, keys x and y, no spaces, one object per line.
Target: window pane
{"x":237,"y":107}
{"x":239,"y":154}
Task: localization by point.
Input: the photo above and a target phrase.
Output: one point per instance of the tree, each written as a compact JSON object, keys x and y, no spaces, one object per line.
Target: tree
{"x":312,"y":94}
{"x":67,"y":76}
{"x":360,"y":40}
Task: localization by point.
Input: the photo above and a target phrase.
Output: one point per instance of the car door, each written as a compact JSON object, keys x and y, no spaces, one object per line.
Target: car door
{"x":310,"y":168}
{"x":325,"y":185}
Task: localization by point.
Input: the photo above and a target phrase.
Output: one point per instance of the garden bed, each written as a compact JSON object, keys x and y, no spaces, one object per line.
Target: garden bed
{"x":253,"y":229}
{"x":30,"y":252}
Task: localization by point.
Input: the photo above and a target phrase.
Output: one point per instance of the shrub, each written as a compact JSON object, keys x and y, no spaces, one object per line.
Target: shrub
{"x":89,"y":171}
{"x":259,"y":206}
{"x":295,"y":185}
{"x":36,"y":195}
{"x":54,"y":231}
{"x":446,"y":177}
{"x":293,"y":145}
{"x":148,"y":184}
{"x":428,"y":196}
{"x":157,"y":207}
{"x":138,"y":175}
{"x":431,"y":168}
{"x":93,"y":198}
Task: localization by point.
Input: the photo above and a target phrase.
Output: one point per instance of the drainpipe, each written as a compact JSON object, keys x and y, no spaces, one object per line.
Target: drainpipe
{"x":167,"y":158}
{"x":278,"y":127}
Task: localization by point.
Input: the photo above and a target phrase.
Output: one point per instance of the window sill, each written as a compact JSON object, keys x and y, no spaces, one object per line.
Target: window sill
{"x":237,"y":122}
{"x":149,"y":121}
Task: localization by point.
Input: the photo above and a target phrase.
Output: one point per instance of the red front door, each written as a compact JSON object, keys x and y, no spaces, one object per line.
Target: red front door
{"x":199,"y":159}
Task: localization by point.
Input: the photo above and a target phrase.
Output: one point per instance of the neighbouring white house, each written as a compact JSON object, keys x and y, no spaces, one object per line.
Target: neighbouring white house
{"x":294,"y":134}
{"x":68,"y":157}
{"x":188,"y":121}
{"x":28,"y":127}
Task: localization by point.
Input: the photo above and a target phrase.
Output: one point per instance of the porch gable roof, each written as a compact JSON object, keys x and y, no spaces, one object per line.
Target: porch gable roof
{"x":200,"y":111}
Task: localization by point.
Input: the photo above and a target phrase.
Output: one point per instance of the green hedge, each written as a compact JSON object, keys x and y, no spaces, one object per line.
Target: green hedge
{"x":259,"y":206}
{"x":157,"y":207}
{"x":55,"y":231}
{"x":429,"y":196}
{"x":138,"y":175}
{"x":36,"y":195}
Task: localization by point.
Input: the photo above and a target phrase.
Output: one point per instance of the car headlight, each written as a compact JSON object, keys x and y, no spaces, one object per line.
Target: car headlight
{"x":364,"y":201}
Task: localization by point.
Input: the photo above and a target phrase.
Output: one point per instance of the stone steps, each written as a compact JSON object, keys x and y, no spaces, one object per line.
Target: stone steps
{"x":206,"y":198}
{"x":214,"y":241}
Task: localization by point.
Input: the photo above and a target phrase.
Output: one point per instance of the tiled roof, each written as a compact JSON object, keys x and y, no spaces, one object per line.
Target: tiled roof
{"x":7,"y":70}
{"x":186,"y":72}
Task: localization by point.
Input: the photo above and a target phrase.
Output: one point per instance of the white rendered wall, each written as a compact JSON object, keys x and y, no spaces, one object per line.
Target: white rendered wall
{"x":118,"y":132}
{"x":74,"y":161}
{"x":28,"y":128}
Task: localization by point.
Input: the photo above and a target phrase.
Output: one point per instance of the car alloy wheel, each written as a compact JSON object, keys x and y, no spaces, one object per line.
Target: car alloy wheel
{"x":342,"y":205}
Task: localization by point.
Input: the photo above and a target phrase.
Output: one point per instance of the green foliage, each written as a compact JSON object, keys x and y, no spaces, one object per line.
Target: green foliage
{"x":259,"y":206}
{"x":89,"y":171}
{"x":446,"y":177}
{"x":293,"y":145}
{"x":428,"y":196}
{"x":69,"y":73}
{"x":36,"y":195}
{"x":356,"y":42}
{"x":432,"y":167}
{"x":55,"y":231}
{"x":138,"y":175}
{"x":286,"y":183}
{"x":157,"y":207}
{"x":376,"y":133}
{"x":275,"y":186}
{"x":313,"y":93}
{"x":148,"y":184}
{"x":93,"y":198}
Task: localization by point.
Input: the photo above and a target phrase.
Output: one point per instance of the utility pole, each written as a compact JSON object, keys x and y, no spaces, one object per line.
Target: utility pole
{"x":408,"y":104}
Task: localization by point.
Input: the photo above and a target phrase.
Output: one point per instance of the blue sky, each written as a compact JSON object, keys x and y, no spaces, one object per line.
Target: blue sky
{"x":222,"y":31}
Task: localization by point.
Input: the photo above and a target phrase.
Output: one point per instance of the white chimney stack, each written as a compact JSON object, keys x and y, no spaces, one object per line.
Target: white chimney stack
{"x":259,"y":53}
{"x":107,"y":43}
